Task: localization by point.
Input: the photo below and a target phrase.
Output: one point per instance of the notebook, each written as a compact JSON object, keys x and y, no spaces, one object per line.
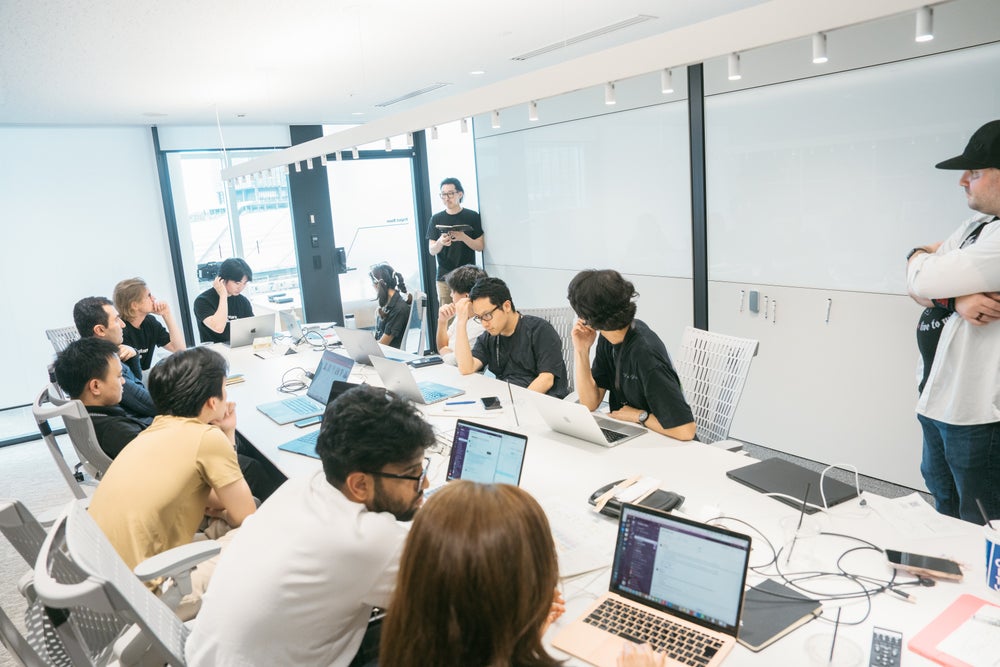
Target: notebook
{"x":306,"y":444}
{"x":770,"y":611}
{"x":576,"y":420}
{"x":244,"y":330}
{"x":484,"y":454}
{"x":332,"y":367}
{"x":362,"y":346}
{"x":677,"y":575}
{"x":781,"y":476}
{"x":398,"y":378}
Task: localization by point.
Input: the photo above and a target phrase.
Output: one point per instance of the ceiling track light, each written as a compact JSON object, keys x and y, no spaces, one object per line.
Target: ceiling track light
{"x":609,"y":93}
{"x":434,"y":132}
{"x":495,"y":120}
{"x":465,"y":125}
{"x":388,"y":145}
{"x":323,"y":159}
{"x":735,"y":72}
{"x":819,"y":48}
{"x":337,"y":156}
{"x":533,"y":111}
{"x":354,"y":153}
{"x":298,"y":167}
{"x":309,"y":163}
{"x":666,"y":81}
{"x":925,"y":24}
{"x":409,"y":140}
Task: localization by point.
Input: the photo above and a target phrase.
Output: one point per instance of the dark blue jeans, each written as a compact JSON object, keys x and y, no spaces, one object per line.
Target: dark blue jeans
{"x":961,"y":464}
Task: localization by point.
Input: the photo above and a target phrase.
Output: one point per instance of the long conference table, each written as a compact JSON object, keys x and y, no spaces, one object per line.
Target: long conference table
{"x":562,"y":472}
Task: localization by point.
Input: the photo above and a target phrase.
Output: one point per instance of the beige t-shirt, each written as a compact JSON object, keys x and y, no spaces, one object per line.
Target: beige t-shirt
{"x":153,"y":496}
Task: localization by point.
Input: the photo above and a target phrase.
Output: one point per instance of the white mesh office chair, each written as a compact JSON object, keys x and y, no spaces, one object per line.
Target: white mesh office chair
{"x":713,"y":369}
{"x":562,"y":320}
{"x":418,"y":317}
{"x":49,"y":405}
{"x":62,"y":337}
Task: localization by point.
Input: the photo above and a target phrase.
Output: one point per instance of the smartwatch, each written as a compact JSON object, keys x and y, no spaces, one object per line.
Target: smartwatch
{"x":643,"y":416}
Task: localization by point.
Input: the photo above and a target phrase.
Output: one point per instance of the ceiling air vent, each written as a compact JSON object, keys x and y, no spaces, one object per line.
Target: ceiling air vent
{"x":410,"y":95}
{"x":606,"y":30}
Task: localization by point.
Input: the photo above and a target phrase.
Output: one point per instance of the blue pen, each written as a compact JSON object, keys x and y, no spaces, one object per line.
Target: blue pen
{"x":460,"y":403}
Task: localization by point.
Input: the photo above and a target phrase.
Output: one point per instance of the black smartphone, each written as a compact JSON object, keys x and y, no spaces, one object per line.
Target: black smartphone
{"x":491,"y":402}
{"x":929,"y":566}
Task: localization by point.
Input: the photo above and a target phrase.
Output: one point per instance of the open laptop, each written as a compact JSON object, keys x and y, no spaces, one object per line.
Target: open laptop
{"x":678,"y":575}
{"x":362,"y":346}
{"x":332,"y":367}
{"x":484,"y":454}
{"x":780,"y":476}
{"x":398,"y":378}
{"x":306,"y":444}
{"x":244,"y":330}
{"x":576,"y":420}
{"x":291,"y":324}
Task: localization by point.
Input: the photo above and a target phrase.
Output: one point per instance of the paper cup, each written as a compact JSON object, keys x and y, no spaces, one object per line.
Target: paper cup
{"x":992,"y":558}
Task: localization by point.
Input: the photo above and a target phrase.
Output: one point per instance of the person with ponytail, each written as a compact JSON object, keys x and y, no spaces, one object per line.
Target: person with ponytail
{"x":393,"y":305}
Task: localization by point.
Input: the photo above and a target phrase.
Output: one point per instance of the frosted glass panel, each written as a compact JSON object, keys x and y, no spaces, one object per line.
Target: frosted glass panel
{"x":606,"y":192}
{"x":827,"y":182}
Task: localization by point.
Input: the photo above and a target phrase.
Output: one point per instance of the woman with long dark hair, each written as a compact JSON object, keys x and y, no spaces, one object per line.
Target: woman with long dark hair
{"x":393,"y":305}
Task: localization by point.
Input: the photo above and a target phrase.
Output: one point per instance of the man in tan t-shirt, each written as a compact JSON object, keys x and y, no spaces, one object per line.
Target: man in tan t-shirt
{"x":184,"y":466}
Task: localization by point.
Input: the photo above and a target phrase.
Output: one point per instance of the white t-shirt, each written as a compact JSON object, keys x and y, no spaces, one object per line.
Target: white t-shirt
{"x":297,"y":586}
{"x":472,"y":328}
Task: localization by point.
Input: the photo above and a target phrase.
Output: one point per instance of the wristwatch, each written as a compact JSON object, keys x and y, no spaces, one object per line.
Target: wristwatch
{"x":643,"y":416}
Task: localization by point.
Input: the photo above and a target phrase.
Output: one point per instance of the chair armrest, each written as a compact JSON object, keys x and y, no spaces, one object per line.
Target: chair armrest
{"x":176,"y":561}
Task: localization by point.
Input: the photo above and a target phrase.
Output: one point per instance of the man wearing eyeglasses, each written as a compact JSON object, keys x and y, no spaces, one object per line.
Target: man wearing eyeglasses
{"x":223,"y":301}
{"x":521,"y":349}
{"x":298,"y":585}
{"x":454,"y":235}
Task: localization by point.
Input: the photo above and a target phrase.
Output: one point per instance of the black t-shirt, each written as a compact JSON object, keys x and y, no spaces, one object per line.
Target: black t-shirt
{"x":532,"y":349}
{"x":114,"y":428}
{"x":205,"y":306}
{"x":638,"y":373}
{"x":457,"y":254}
{"x":394,"y":322}
{"x":145,"y":339}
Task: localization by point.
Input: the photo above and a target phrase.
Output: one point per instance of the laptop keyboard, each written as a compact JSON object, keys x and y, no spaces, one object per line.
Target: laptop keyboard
{"x":432,"y":395}
{"x":300,"y":405}
{"x":612,"y":436}
{"x":681,"y":643}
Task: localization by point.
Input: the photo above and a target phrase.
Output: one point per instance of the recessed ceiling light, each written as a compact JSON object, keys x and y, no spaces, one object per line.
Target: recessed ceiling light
{"x":477,"y":72}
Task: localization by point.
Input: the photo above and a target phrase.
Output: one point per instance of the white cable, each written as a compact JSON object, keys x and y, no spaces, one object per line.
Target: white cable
{"x":846,"y":466}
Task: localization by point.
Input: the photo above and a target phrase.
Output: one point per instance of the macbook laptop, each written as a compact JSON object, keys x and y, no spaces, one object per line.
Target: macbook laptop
{"x":576,"y":420}
{"x":781,"y":476}
{"x":291,"y":324}
{"x":306,"y":444}
{"x":678,"y":584}
{"x":362,"y":346}
{"x":485,"y":454}
{"x":332,"y":367}
{"x":398,"y":378}
{"x":244,"y":330}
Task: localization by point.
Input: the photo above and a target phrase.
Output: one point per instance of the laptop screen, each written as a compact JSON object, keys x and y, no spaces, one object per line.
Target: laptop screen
{"x":331,"y":367}
{"x":683,"y":567}
{"x":486,"y":455}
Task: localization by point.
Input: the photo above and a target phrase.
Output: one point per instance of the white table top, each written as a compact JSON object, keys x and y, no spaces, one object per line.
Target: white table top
{"x":562,"y":470}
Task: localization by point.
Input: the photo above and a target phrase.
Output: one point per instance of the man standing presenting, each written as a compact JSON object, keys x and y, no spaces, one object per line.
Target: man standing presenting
{"x":959,"y":407}
{"x":298,"y":584}
{"x":460,"y":239}
{"x":223,"y":301}
{"x":631,"y":361}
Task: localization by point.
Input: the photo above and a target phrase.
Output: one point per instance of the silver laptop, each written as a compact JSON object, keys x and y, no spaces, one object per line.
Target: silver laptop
{"x":678,"y":584}
{"x":362,"y":346}
{"x":576,"y":420}
{"x":398,"y":378}
{"x":332,"y":367}
{"x":485,"y":455}
{"x":291,"y":324}
{"x":244,"y":330}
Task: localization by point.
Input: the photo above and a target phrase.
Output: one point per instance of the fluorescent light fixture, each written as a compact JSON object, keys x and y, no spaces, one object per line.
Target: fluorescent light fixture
{"x":298,"y":166}
{"x":533,"y":110}
{"x":735,"y":73}
{"x":925,"y":24}
{"x":819,"y":48}
{"x":666,"y":81}
{"x":354,"y":153}
{"x":495,"y":120}
{"x":465,"y":125}
{"x":323,"y":159}
{"x":609,"y":93}
{"x":388,"y":145}
{"x":434,"y":132}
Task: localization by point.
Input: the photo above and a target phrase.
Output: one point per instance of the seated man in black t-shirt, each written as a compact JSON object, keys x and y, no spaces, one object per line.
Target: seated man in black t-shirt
{"x":520,"y":349}
{"x":212,"y":312}
{"x":631,"y":361}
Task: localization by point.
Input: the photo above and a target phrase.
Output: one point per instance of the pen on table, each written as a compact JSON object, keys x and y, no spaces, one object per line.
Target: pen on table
{"x":903,"y":595}
{"x":982,"y":510}
{"x":459,"y":402}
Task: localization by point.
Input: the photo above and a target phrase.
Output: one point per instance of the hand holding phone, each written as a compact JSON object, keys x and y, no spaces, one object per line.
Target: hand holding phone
{"x":491,"y":402}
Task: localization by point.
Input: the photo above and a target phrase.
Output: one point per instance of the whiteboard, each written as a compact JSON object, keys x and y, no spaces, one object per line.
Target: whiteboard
{"x":604,"y":192}
{"x":828,"y":182}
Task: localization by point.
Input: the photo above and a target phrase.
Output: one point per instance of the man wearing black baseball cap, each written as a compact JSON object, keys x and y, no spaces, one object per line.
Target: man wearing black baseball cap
{"x":958,"y":281}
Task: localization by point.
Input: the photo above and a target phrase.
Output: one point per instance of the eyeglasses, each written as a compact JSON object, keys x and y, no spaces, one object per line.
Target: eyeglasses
{"x":446,"y":195}
{"x":419,"y":479}
{"x":486,"y":317}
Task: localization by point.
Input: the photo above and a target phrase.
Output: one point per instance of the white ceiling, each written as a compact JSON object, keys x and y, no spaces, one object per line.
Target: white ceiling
{"x":181,"y":62}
